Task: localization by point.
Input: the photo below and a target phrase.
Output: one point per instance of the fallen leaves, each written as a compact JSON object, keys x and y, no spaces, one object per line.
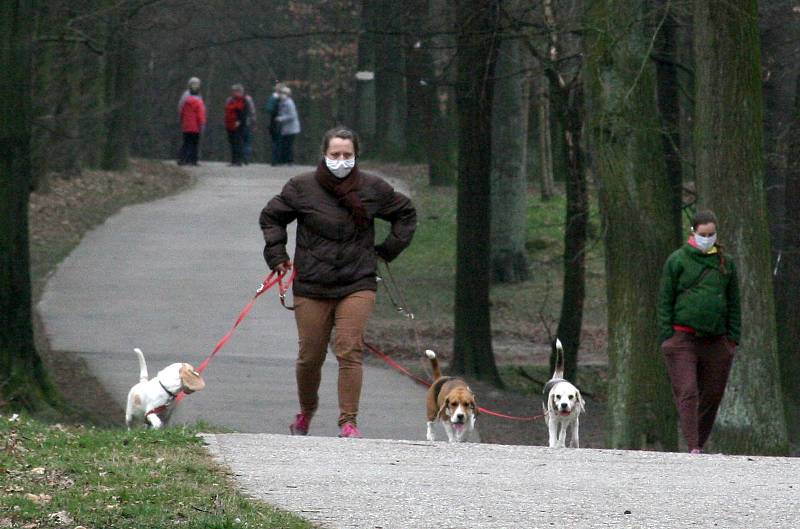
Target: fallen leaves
{"x":39,"y":499}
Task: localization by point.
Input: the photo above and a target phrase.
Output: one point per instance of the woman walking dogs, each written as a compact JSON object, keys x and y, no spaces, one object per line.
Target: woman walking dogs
{"x":699,"y":318}
{"x":336,"y":260}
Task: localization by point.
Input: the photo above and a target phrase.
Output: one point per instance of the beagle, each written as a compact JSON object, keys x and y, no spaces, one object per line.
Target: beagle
{"x":452,"y":403}
{"x":149,"y":398}
{"x":563,"y":405}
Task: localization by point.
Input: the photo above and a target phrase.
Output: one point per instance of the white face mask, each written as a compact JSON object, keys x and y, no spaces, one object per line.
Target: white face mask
{"x":340,"y":168}
{"x":705,"y":243}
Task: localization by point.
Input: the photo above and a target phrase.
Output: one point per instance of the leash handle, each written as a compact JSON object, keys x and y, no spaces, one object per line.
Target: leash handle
{"x":283,"y":288}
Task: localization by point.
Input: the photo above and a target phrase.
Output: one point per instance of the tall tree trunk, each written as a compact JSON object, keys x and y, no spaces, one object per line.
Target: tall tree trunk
{"x":509,"y":220}
{"x":390,"y":86}
{"x":443,"y":152}
{"x":365,"y":86}
{"x":420,"y":89}
{"x":780,"y":31}
{"x":730,"y":172}
{"x":120,"y":84}
{"x":547,"y":181}
{"x":789,"y":281}
{"x":570,"y":107}
{"x":23,"y":381}
{"x":669,"y":105}
{"x":477,"y":23}
{"x":629,"y":164}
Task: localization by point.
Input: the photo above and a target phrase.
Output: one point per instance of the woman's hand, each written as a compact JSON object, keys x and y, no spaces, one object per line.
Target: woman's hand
{"x":282,"y":268}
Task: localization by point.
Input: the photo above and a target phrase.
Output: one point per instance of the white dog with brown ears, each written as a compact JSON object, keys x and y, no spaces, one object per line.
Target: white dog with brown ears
{"x":563,"y":405}
{"x":150,"y":398}
{"x":450,"y":402}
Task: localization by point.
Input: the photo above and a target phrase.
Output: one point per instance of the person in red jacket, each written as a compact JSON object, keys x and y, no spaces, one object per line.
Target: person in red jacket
{"x":235,"y":121}
{"x":193,"y":121}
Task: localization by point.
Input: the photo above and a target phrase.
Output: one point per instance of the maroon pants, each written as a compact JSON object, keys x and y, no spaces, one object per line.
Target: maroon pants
{"x":698,"y":369}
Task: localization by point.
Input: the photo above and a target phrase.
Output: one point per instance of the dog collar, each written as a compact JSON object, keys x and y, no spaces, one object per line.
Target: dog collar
{"x":171,"y":394}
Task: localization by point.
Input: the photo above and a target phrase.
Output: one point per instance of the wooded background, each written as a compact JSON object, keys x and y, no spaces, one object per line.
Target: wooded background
{"x":655,"y":107}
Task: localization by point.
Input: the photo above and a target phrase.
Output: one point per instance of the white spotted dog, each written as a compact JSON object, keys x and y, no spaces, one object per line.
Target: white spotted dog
{"x":450,"y":402}
{"x":150,"y":399}
{"x":563,"y":405}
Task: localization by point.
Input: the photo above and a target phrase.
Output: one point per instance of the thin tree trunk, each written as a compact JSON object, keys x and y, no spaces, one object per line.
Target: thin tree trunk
{"x":390,"y":87}
{"x":509,"y":220}
{"x":365,"y":87}
{"x":120,"y":84}
{"x":547,"y":181}
{"x":629,"y":164}
{"x":477,"y":53}
{"x":570,"y":321}
{"x":23,"y":382}
{"x":730,"y":172}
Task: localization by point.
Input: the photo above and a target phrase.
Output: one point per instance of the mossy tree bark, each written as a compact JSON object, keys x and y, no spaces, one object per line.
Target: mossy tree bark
{"x":477,"y":25}
{"x":730,"y":181}
{"x":789,"y":281}
{"x":23,"y":381}
{"x":629,"y":164}
{"x":509,"y":220}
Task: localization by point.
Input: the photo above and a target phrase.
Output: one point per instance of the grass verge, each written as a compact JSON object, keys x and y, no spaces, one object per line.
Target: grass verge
{"x":70,"y":476}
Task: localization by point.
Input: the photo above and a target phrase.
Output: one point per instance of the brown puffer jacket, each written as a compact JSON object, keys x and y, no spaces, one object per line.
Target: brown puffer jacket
{"x":333,"y":258}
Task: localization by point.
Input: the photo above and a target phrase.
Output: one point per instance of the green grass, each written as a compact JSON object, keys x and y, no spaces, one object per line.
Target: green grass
{"x":426,"y":270}
{"x":115,"y":478}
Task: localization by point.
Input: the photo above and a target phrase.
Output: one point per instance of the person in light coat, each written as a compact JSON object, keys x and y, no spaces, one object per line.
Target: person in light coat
{"x":289,"y":123}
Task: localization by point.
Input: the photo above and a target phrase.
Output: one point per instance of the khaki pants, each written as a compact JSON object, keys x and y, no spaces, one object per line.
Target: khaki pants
{"x":316,"y":318}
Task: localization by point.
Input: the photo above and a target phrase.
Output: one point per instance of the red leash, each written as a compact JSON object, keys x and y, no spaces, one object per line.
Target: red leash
{"x":270,"y":281}
{"x":383,"y":356}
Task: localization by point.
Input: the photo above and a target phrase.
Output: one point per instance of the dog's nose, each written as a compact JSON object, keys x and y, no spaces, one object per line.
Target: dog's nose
{"x":564,"y":405}
{"x":459,"y":416}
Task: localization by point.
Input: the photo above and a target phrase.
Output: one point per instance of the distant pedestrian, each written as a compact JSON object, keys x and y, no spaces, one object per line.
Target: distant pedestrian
{"x":248,"y":129}
{"x":289,"y":123}
{"x":274,"y":128}
{"x":699,"y":319}
{"x":192,"y":112}
{"x":235,"y":121}
{"x":335,"y":207}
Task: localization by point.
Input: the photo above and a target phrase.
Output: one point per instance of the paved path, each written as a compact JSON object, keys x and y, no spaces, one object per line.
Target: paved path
{"x":170,"y":276}
{"x":344,"y":483}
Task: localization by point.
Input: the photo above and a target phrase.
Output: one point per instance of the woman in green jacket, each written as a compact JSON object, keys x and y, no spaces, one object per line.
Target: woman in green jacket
{"x":699,"y":319}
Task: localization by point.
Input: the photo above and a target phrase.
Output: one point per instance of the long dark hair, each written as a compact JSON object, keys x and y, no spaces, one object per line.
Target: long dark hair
{"x":708,"y":217}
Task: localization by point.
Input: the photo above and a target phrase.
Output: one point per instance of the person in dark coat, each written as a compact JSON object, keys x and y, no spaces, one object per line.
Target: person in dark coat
{"x":336,"y":260}
{"x":235,"y":121}
{"x":699,"y":317}
{"x":274,"y":128}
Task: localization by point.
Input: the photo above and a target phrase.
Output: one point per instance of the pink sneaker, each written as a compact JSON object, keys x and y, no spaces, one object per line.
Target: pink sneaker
{"x":350,"y":430}
{"x":695,"y":451}
{"x":300,"y":424}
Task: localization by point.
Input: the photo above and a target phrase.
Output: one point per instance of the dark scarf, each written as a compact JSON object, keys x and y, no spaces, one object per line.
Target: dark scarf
{"x":346,"y":190}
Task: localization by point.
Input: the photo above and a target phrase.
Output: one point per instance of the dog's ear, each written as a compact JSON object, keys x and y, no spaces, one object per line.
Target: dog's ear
{"x":191,"y":380}
{"x":581,"y":403}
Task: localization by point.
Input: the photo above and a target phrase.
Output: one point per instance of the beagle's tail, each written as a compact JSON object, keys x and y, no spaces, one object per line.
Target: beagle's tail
{"x":437,"y":373}
{"x":142,"y":365}
{"x":558,"y":372}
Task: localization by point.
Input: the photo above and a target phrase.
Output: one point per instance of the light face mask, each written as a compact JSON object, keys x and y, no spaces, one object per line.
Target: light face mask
{"x":340,"y":168}
{"x":705,"y":243}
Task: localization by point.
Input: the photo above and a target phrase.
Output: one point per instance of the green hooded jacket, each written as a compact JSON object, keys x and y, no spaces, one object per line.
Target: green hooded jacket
{"x":708,"y":302}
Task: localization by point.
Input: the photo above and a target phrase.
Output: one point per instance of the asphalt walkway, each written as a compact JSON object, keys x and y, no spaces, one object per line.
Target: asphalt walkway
{"x":170,"y":276}
{"x":370,"y":484}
